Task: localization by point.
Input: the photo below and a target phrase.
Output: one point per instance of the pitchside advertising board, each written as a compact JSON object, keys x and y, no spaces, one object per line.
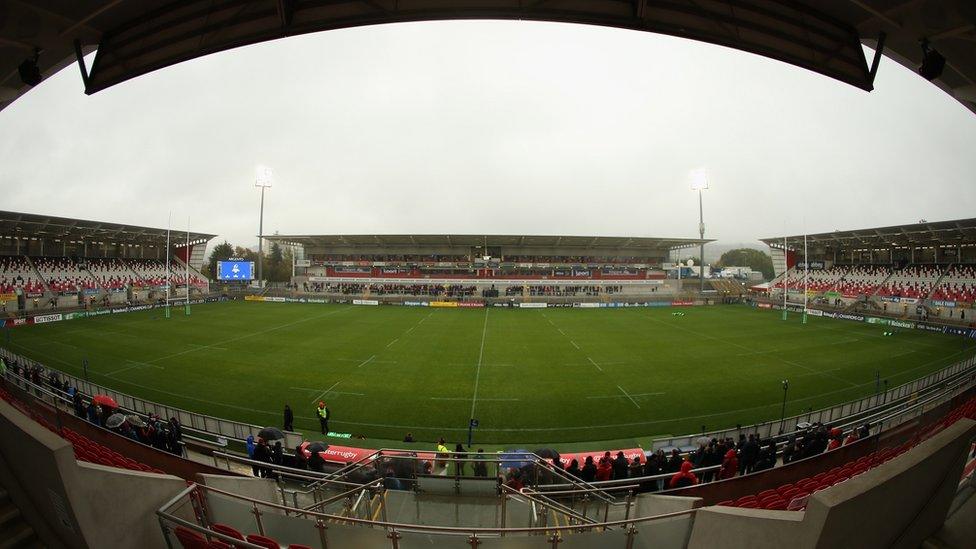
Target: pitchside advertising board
{"x":234,"y":269}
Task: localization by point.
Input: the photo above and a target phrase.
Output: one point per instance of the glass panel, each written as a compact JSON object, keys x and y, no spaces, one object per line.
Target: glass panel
{"x":664,"y":533}
{"x":291,"y":529}
{"x":416,"y":540}
{"x":612,"y":539}
{"x":232,"y":512}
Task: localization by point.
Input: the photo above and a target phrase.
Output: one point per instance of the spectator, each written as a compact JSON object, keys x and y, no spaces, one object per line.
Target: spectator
{"x":604,"y":468}
{"x":674,"y":462}
{"x":574,"y":468}
{"x":289,"y":419}
{"x":459,"y":454}
{"x":299,"y":461}
{"x":620,"y":466}
{"x":835,"y":439}
{"x":277,"y":454}
{"x":79,"y":404}
{"x":262,"y":454}
{"x":730,"y":465}
{"x":480,"y":467}
{"x":588,"y":472}
{"x":408,"y":438}
{"x":323,"y":414}
{"x":175,"y":437}
{"x":684,"y":477}
{"x":750,"y":452}
{"x":636,"y":468}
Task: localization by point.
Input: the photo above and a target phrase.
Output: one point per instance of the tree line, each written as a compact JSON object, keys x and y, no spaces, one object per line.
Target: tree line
{"x":277,"y":261}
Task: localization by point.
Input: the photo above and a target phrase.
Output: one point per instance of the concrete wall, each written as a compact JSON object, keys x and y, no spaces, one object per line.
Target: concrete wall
{"x":897,"y":504}
{"x":78,"y":505}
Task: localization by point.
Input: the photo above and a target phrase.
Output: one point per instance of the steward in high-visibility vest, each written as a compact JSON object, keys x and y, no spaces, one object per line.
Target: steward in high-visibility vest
{"x":323,"y":413}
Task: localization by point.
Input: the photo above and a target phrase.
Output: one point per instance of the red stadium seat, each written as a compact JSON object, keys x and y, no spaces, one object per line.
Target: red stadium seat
{"x":226,"y":530}
{"x":263,"y":541}
{"x":190,"y":539}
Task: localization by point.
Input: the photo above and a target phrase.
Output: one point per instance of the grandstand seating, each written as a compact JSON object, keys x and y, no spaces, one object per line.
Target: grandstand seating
{"x":862,"y":280}
{"x":819,"y":280}
{"x":111,"y":274}
{"x":16,"y":272}
{"x":958,"y":284}
{"x":792,"y":496}
{"x":915,"y":281}
{"x":63,"y":275}
{"x":85,"y":449}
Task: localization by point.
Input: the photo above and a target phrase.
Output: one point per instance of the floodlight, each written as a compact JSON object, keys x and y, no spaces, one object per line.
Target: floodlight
{"x":699,"y":179}
{"x":263,"y":176}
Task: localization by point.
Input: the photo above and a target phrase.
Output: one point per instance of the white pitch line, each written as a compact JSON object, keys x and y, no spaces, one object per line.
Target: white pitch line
{"x":574,"y":344}
{"x":325,"y":392}
{"x":816,"y":371}
{"x":561,"y":331}
{"x":367,"y":361}
{"x":392,"y":342}
{"x":628,"y":396}
{"x":468,"y":398}
{"x":207,"y":347}
{"x":593,"y":362}
{"x":481,"y":355}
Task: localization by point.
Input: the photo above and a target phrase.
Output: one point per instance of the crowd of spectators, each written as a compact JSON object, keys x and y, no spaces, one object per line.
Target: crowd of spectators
{"x":557,"y":291}
{"x":434,"y":290}
{"x":152,"y":431}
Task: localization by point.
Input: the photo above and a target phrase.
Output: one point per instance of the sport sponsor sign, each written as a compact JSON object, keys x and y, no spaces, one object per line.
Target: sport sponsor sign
{"x":586,"y":305}
{"x":254,"y":298}
{"x":629,"y":453}
{"x":275,"y":299}
{"x":8,"y":297}
{"x":10,"y":322}
{"x":940,"y":303}
{"x":470,"y":304}
{"x":303,"y":263}
{"x":815,"y":312}
{"x":344,"y":454}
{"x":447,"y":304}
{"x":415,"y":303}
{"x":682,"y":303}
{"x":533,"y":305}
{"x":901,"y":324}
{"x":764,"y":305}
{"x":365,"y":302}
{"x":42,"y":319}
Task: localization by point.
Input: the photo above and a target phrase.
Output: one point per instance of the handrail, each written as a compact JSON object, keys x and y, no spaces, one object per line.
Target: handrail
{"x":358,"y":488}
{"x":429,"y":528}
{"x":537,"y":497}
{"x":306,"y":474}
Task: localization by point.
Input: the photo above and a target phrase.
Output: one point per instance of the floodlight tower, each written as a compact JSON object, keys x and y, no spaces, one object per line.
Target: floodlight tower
{"x":263,"y":179}
{"x":699,"y":182}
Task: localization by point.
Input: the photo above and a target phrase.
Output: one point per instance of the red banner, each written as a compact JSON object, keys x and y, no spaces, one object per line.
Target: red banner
{"x":629,"y":453}
{"x":345,"y":454}
{"x":470,"y":304}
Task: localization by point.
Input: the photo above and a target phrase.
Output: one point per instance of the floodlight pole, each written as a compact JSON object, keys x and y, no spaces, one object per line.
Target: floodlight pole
{"x":701,"y":249}
{"x":263,"y":181}
{"x":167,"y":280}
{"x":806,"y":275}
{"x":786,"y":275}
{"x":186,"y":310}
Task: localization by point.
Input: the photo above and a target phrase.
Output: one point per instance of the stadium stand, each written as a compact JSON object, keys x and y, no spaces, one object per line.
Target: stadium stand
{"x":862,"y":280}
{"x":63,"y":275}
{"x":17,"y":273}
{"x":914,"y":281}
{"x":112,"y":274}
{"x":958,"y":284}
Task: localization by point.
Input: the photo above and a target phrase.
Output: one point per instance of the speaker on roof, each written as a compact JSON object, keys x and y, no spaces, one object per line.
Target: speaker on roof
{"x":933,"y":63}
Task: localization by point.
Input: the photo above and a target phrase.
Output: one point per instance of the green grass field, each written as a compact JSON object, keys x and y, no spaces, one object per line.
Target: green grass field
{"x":532,"y":377}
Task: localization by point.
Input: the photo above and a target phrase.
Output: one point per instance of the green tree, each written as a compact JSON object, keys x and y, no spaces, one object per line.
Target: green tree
{"x":221,"y":252}
{"x":748,"y":257}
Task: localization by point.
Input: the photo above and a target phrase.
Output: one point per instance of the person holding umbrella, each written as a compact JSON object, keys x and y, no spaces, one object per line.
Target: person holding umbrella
{"x":323,"y":412}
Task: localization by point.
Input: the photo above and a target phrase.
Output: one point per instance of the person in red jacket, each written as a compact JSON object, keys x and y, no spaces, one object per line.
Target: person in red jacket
{"x":604,"y":469}
{"x":684,"y":477}
{"x":730,"y":465}
{"x":835,"y":438}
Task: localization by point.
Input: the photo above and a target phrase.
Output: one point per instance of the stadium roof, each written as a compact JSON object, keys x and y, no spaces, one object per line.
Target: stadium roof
{"x":47,"y":226}
{"x":923,"y":233}
{"x":467,"y":240}
{"x":824,"y":36}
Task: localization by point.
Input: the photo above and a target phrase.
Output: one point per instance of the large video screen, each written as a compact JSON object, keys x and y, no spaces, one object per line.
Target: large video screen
{"x":235,"y":270}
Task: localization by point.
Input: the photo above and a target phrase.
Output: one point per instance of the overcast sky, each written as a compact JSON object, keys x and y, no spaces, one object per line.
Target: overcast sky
{"x":491,"y":127}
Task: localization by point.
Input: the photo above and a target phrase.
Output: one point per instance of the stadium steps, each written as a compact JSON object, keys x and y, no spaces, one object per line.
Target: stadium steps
{"x":37,"y":273}
{"x":938,"y":281}
{"x":14,"y":530}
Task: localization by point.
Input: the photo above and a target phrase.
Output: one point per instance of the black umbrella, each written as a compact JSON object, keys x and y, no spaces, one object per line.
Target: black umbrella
{"x":271,"y":433}
{"x":316,"y":447}
{"x":548,"y":453}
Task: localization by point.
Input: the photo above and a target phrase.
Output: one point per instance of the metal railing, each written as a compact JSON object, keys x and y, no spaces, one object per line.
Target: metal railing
{"x":196,"y":510}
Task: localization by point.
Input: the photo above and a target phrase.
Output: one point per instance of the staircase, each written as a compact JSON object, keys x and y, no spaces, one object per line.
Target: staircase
{"x":38,"y":273}
{"x":14,"y":530}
